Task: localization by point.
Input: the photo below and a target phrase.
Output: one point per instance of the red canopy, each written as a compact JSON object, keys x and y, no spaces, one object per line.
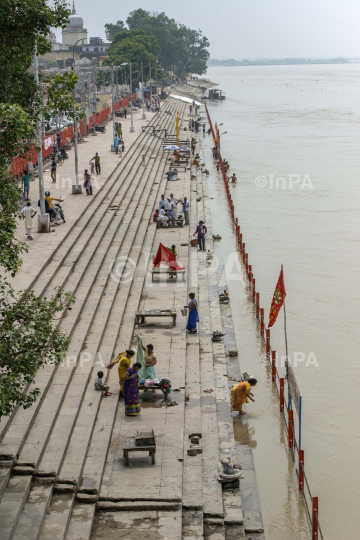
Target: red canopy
{"x":164,"y":256}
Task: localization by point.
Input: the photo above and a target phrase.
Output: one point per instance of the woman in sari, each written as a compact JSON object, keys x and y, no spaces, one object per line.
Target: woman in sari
{"x":124,"y":360}
{"x":240,"y":394}
{"x":193,"y":315}
{"x":131,"y":390}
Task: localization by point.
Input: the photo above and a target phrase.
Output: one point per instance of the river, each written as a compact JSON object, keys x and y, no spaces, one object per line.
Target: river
{"x":301,"y":121}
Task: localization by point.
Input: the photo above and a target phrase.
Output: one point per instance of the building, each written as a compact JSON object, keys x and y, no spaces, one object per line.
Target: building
{"x":74,"y":30}
{"x":95,"y":49}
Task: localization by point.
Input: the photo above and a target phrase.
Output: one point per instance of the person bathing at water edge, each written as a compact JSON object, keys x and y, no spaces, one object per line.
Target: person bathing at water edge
{"x":240,"y":394}
{"x":193,"y":315}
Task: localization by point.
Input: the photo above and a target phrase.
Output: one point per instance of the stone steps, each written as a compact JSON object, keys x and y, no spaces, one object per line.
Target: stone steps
{"x":96,"y":458}
{"x":53,"y":519}
{"x":138,"y":506}
{"x":4,"y":478}
{"x":34,"y":512}
{"x":81,"y":378}
{"x":73,"y":465}
{"x":213,"y":368}
{"x":67,"y":381}
{"x":12,"y":504}
{"x":10,"y":446}
{"x":101,"y":201}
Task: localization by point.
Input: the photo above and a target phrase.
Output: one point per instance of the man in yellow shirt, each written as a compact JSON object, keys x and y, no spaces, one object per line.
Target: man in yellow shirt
{"x":50,"y":210}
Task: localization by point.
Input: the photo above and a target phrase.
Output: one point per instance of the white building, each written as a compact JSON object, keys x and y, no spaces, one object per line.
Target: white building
{"x":74,"y":30}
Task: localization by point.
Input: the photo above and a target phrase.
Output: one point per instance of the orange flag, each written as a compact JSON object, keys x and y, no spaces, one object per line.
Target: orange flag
{"x":278,"y":299}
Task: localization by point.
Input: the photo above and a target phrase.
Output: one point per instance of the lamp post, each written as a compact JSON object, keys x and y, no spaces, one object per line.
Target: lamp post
{"x":44,"y":219}
{"x":150,"y":86}
{"x":156,"y":83}
{"x":131,"y":101}
{"x":94,"y":111}
{"x":76,"y":188}
{"x":112,"y":97}
{"x":143,"y":95}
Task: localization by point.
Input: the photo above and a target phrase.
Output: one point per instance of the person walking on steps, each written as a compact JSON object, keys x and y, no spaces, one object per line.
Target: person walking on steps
{"x":87,"y":183}
{"x":96,"y":158}
{"x":201,"y":230}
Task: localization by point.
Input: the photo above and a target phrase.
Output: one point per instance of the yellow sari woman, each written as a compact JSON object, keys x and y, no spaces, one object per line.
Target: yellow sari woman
{"x":240,"y":394}
{"x":124,"y":361}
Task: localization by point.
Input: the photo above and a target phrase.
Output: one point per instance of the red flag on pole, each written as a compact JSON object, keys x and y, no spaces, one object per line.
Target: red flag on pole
{"x":278,"y":299}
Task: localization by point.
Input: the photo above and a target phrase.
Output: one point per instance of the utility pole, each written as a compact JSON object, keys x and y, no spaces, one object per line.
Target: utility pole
{"x":156,"y":83}
{"x":117,"y":85}
{"x":94,"y":110}
{"x":112,"y":96}
{"x":150,"y":88}
{"x":76,"y":188}
{"x":143,"y":95}
{"x":131,"y":101}
{"x":44,"y":219}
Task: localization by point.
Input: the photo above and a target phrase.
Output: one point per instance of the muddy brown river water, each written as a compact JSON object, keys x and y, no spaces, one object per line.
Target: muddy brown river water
{"x":293,"y":141}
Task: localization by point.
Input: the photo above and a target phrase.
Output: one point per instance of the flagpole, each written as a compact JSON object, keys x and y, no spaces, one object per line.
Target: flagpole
{"x":286,"y":350}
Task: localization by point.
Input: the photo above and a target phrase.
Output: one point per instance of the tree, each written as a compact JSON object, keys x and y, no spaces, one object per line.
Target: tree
{"x":197,"y":51}
{"x":136,"y":47}
{"x":112,"y":29}
{"x":27,"y":334}
{"x":179,"y":45}
{"x":28,"y":340}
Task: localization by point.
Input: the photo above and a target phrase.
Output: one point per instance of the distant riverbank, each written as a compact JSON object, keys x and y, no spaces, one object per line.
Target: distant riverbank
{"x":281,"y":62}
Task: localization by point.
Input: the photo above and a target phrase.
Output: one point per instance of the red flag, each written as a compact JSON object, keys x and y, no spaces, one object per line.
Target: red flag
{"x":164,"y":256}
{"x":278,"y":299}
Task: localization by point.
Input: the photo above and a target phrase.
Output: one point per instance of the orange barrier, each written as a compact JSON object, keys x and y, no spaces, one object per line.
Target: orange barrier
{"x":20,"y":164}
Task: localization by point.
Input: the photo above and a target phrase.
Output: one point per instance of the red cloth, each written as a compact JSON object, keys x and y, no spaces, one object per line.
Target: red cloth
{"x":164,"y":256}
{"x":278,"y":299}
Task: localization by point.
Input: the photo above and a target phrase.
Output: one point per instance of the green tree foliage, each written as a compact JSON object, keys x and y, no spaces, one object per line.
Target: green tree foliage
{"x":179,"y":45}
{"x":112,"y":29}
{"x":28,"y":337}
{"x":28,"y":340}
{"x":136,"y":47}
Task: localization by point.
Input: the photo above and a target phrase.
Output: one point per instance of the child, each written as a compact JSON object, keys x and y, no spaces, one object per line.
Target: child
{"x":100,"y":386}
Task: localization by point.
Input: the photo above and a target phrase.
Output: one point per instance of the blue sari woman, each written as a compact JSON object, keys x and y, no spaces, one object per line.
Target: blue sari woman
{"x":131,"y":390}
{"x":193,"y":315}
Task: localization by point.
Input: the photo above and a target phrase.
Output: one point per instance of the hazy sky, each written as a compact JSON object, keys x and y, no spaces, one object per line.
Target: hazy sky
{"x":250,"y":28}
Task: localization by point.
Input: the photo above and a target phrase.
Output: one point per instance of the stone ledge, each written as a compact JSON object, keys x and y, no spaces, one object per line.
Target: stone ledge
{"x":137,"y":506}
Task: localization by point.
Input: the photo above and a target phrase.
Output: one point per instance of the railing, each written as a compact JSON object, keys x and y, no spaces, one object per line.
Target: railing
{"x":20,"y":163}
{"x":309,"y":500}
